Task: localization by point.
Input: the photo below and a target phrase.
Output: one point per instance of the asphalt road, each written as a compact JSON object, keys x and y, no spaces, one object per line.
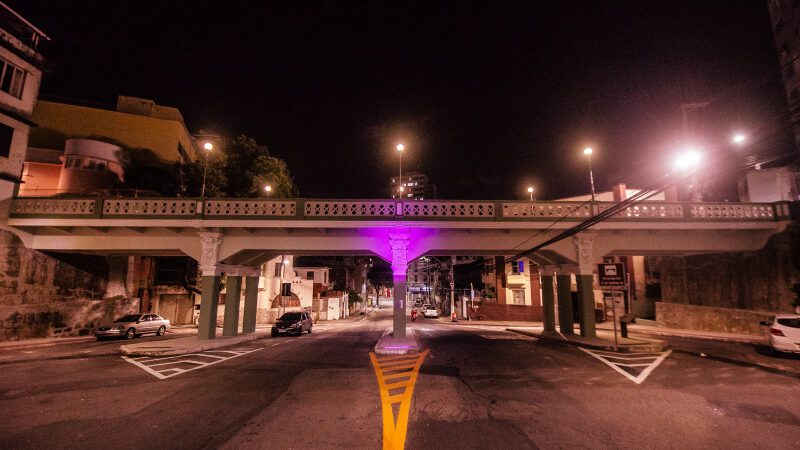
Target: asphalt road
{"x":479,"y":387}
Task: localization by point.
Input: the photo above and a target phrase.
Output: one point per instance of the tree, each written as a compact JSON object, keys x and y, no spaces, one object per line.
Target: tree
{"x":241,"y":168}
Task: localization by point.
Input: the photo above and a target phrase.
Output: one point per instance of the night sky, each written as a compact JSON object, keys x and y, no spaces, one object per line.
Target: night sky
{"x":486,"y":98}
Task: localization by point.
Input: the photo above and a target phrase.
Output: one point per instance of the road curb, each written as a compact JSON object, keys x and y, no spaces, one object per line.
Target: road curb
{"x":388,"y":345}
{"x":655,"y":347}
{"x":212,"y":344}
{"x":51,"y":343}
{"x":754,"y":340}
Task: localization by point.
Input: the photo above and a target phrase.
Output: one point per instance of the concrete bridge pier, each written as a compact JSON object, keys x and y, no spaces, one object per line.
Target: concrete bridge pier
{"x":548,"y":299}
{"x":234,"y":276}
{"x":210,"y":270}
{"x":398,"y":240}
{"x":250,"y":300}
{"x":565,"y":313}
{"x":584,"y":249}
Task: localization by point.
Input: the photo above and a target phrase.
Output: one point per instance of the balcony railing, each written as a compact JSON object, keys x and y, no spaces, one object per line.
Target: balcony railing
{"x":300,"y":209}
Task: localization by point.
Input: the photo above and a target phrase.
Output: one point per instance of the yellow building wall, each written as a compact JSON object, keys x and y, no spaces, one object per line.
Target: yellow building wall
{"x":130,"y":130}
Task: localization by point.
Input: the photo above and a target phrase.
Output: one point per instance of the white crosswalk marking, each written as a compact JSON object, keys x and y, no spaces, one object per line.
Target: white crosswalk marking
{"x":634,"y":366}
{"x":169,"y":366}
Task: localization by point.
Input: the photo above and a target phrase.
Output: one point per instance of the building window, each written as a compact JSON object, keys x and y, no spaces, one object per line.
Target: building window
{"x":72,"y":163}
{"x":518,"y":266}
{"x":309,"y":275}
{"x":278,"y":269}
{"x":6,"y":133}
{"x":287,"y":290}
{"x":519,"y":296}
{"x":12,"y":79}
{"x":94,"y":164}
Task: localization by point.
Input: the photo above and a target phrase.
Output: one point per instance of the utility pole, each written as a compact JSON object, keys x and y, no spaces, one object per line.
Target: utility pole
{"x":452,"y":289}
{"x":695,"y":190}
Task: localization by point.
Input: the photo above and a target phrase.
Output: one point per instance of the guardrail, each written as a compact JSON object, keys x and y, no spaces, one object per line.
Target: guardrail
{"x":312,"y":209}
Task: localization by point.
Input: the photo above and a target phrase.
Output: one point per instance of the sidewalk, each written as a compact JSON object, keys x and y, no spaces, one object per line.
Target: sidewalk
{"x":190,"y":344}
{"x":649,"y":327}
{"x":53,"y":341}
{"x":603,"y":341}
{"x":740,"y":349}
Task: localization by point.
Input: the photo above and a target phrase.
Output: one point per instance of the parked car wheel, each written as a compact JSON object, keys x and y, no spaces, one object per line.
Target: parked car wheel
{"x":309,"y":330}
{"x":274,"y":333}
{"x":300,"y":331}
{"x":161,"y":331}
{"x":130,"y":334}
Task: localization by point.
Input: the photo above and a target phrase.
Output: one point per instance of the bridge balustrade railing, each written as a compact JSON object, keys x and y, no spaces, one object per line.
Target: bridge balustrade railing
{"x":234,"y":208}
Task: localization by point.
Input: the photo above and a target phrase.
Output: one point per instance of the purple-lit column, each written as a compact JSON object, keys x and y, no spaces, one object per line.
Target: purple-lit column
{"x":399,"y":243}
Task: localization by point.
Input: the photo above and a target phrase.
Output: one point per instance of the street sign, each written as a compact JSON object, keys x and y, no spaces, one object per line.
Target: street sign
{"x":611,"y":275}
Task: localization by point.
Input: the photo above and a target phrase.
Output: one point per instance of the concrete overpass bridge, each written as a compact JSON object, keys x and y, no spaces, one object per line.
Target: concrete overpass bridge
{"x":235,"y":236}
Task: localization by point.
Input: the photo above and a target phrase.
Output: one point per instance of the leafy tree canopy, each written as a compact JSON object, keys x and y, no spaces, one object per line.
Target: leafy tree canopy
{"x":237,"y":167}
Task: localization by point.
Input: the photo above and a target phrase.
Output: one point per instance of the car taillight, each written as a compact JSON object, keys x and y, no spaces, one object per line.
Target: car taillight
{"x":776,"y":332}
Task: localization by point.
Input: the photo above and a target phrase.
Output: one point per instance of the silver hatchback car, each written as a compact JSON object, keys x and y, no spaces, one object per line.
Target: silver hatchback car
{"x":132,"y":325}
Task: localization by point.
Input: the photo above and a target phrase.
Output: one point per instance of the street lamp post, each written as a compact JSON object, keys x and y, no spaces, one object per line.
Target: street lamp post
{"x":400,"y":148}
{"x":268,"y":189}
{"x":588,"y":152}
{"x":530,"y":191}
{"x":208,"y":147}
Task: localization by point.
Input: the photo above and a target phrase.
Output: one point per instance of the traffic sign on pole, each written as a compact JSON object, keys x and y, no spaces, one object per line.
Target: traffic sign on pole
{"x":611,"y":275}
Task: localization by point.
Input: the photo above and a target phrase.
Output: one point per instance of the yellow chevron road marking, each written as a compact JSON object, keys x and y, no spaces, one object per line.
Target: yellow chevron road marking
{"x":395,"y":373}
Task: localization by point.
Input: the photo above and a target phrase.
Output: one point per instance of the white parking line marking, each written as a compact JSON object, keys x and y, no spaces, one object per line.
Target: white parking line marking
{"x":606,"y":358}
{"x":171,"y":372}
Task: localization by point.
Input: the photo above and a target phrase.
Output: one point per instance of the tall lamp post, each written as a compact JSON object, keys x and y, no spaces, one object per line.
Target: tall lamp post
{"x":208,"y":147}
{"x":530,"y":191}
{"x":588,"y":152}
{"x":400,"y":148}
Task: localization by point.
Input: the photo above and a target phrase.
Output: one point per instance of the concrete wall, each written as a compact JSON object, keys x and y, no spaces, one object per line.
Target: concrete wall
{"x":43,"y":296}
{"x":759,"y":281}
{"x":730,"y":292}
{"x":726,"y":320}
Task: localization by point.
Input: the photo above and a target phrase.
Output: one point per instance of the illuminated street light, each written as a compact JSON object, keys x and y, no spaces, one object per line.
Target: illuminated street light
{"x":687,"y":160}
{"x":738,"y":138}
{"x":208,"y":147}
{"x":530,"y":191}
{"x":400,"y":148}
{"x":588,"y":152}
{"x":268,"y":189}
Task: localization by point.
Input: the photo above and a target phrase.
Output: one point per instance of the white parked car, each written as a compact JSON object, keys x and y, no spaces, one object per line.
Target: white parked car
{"x":430,"y":311}
{"x":783,"y":332}
{"x":133,"y":325}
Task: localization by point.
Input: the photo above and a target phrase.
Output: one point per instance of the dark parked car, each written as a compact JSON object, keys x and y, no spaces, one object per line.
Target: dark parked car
{"x":292,"y":322}
{"x":133,"y":325}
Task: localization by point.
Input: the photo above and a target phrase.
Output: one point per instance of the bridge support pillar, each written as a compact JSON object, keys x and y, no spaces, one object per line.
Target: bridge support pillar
{"x":398,"y":240}
{"x":586,"y":305}
{"x":548,"y":301}
{"x":250,"y":303}
{"x":207,"y":325}
{"x":233,"y":295}
{"x":564,"y":289}
{"x":584,"y":250}
{"x":500,"y":279}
